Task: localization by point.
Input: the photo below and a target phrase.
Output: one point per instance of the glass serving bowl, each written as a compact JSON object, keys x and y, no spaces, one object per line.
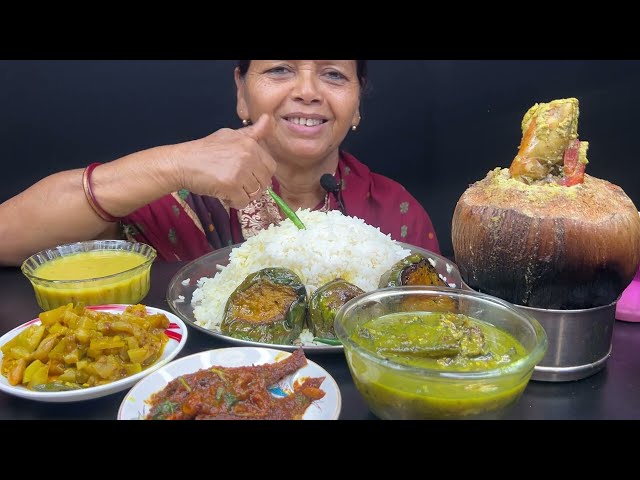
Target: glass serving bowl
{"x":128,"y":285}
{"x":185,"y":282}
{"x":429,"y":390}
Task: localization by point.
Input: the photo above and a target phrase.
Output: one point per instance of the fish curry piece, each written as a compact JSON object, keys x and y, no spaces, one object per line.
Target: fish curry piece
{"x":550,"y":151}
{"x":236,"y":393}
{"x":269,"y":306}
{"x":325,"y":303}
{"x":451,"y":338}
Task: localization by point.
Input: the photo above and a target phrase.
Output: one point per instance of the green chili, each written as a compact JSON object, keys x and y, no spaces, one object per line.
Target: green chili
{"x":220,"y":373}
{"x":286,"y":209}
{"x":328,"y":341}
{"x":184,"y":382}
{"x":56,"y":387}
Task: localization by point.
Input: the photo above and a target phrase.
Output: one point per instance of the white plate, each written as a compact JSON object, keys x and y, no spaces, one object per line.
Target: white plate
{"x":177,"y":333}
{"x":185,"y":282}
{"x":135,"y":407}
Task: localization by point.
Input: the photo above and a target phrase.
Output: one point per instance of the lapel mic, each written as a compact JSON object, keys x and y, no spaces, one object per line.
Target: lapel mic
{"x":330,"y":185}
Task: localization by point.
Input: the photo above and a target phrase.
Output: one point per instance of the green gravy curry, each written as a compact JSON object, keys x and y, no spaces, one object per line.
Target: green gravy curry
{"x":439,"y":341}
{"x":436,"y":341}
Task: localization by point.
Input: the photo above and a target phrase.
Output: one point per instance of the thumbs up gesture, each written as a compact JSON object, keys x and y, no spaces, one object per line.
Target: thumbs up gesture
{"x":232,"y":165}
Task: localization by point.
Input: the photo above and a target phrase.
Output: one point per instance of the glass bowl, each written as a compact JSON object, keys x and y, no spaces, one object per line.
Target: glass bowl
{"x":185,"y":282}
{"x":427,"y":389}
{"x":96,"y":272}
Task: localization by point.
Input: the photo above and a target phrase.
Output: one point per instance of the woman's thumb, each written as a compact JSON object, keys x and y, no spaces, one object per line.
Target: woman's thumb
{"x":259,"y":130}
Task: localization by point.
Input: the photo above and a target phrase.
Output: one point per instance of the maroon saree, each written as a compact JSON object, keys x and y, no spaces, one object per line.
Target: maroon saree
{"x":184,"y":226}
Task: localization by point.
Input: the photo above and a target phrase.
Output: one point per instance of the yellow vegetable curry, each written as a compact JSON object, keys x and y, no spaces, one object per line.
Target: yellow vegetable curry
{"x":75,"y":347}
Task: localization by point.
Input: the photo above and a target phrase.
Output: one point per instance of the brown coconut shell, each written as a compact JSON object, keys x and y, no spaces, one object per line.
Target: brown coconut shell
{"x":546,"y":246}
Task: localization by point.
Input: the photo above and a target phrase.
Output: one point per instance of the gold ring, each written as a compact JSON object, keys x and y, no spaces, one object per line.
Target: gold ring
{"x":256,"y":192}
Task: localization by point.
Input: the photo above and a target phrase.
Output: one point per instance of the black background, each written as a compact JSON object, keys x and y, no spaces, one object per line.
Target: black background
{"x":433,"y":125}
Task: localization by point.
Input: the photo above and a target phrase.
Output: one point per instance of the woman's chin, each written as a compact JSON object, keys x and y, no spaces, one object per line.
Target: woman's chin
{"x":307,"y":153}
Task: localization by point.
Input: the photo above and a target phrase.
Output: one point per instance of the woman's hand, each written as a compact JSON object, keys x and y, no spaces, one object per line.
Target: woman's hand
{"x":231,"y":165}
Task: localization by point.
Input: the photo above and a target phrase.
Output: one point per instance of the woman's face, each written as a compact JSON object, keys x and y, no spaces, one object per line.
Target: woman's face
{"x":313,"y":104}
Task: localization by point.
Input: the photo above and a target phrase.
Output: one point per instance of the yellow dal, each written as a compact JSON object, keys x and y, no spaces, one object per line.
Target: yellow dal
{"x":88,"y":265}
{"x":85,"y":265}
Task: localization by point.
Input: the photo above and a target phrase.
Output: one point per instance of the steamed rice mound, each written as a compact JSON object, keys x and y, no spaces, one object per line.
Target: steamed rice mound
{"x":332,"y":245}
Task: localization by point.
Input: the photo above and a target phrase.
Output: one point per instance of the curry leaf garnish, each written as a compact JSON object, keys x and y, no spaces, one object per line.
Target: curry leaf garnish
{"x":163,"y":410}
{"x":230,"y":399}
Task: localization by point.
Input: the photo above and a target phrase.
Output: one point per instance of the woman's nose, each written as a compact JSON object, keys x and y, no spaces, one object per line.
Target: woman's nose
{"x":307,"y":88}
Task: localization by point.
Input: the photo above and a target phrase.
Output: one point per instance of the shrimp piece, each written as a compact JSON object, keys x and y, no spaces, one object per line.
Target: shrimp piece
{"x":548,"y":129}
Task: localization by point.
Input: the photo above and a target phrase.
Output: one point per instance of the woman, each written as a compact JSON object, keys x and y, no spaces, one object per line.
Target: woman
{"x":191,"y":198}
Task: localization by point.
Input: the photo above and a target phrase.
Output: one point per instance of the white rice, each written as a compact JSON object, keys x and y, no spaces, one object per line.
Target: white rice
{"x":332,"y":246}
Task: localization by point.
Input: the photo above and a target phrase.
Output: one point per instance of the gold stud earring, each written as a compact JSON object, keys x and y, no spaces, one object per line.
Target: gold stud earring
{"x":246,"y":122}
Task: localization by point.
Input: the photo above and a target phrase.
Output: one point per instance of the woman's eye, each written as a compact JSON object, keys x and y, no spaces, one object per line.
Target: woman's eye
{"x":335,"y":75}
{"x":278,"y":70}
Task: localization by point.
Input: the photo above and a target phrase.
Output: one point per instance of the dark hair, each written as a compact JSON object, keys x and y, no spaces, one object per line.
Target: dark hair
{"x":361,"y":68}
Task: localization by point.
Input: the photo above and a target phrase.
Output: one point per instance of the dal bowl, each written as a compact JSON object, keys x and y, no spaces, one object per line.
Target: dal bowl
{"x":416,"y":352}
{"x":97,"y":272}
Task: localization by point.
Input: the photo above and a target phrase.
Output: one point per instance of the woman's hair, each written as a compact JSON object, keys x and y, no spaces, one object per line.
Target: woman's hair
{"x":361,"y":68}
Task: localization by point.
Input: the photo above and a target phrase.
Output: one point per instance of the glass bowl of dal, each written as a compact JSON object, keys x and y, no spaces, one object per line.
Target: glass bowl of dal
{"x":438,"y":353}
{"x":97,"y":272}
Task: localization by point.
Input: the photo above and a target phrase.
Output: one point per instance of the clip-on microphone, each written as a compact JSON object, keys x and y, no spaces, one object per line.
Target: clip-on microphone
{"x":329,"y":185}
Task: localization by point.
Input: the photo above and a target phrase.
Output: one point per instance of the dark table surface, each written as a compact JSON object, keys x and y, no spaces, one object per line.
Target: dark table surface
{"x":613,"y":393}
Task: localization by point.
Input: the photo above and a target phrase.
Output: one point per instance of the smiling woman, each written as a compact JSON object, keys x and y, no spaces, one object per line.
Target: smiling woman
{"x":190,"y":198}
{"x":309,"y":129}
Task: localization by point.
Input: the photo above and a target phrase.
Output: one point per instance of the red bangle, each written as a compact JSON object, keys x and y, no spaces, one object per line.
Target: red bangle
{"x":86,"y":185}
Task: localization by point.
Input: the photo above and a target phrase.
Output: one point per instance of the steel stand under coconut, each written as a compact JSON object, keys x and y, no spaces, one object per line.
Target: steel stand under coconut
{"x":557,"y":243}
